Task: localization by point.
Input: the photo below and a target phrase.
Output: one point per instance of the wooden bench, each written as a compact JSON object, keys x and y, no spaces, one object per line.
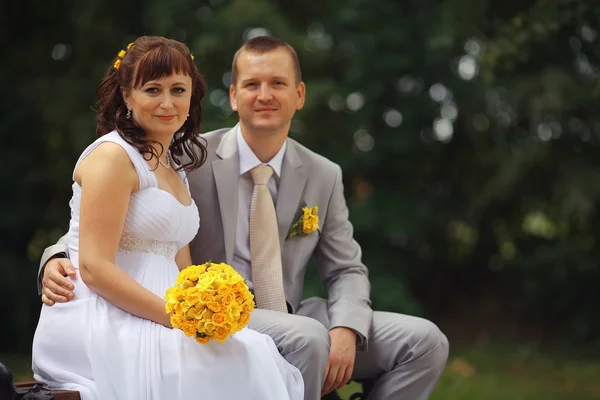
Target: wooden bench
{"x":58,"y":394}
{"x":11,"y":391}
{"x":72,"y":395}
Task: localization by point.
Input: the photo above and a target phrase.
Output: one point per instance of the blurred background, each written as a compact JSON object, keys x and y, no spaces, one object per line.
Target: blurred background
{"x":468,"y":132}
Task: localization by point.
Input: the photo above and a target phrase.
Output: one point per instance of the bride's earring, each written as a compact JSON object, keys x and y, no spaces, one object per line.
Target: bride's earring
{"x":128,"y":114}
{"x":187,"y":116}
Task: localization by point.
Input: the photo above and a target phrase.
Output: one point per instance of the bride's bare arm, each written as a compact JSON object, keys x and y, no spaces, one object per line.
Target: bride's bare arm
{"x":107,"y":178}
{"x":183,"y":257}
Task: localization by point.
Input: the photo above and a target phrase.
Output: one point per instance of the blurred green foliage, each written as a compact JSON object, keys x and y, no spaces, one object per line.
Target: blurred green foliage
{"x":467,"y":130}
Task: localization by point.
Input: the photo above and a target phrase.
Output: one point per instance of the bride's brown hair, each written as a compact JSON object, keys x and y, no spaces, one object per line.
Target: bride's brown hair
{"x":150,"y":58}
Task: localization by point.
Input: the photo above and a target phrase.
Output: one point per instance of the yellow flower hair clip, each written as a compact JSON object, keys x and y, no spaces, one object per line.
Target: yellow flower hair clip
{"x":120,"y":56}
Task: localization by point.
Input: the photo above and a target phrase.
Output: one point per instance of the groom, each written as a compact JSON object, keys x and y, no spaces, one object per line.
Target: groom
{"x":249,"y":193}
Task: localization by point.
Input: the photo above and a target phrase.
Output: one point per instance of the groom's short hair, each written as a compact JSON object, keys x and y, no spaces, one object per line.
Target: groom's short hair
{"x":265,"y":44}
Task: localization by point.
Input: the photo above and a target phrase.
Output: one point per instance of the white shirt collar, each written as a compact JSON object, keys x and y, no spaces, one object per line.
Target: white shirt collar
{"x":248,"y":159}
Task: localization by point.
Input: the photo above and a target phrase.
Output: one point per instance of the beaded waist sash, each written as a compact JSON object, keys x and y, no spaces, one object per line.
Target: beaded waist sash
{"x":131,"y":243}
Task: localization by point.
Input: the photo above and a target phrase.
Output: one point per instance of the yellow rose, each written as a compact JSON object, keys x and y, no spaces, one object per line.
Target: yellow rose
{"x":192,"y":295}
{"x":201,"y":326}
{"x":187,"y":284}
{"x":219,"y":318}
{"x":208,"y":314}
{"x":229,"y":326}
{"x":248,"y":306}
{"x":212,"y":267}
{"x":189,"y":328}
{"x":239,"y":286}
{"x":310,"y":224}
{"x":206,"y":280}
{"x":313,"y":211}
{"x":248,"y":296}
{"x":173,"y":294}
{"x":221,"y":334}
{"x":220,"y":339}
{"x":227,"y":299}
{"x":234,"y":309}
{"x":224,"y":289}
{"x":207,"y":298}
{"x":181,"y":307}
{"x":234,"y":326}
{"x":209,"y":327}
{"x":310,"y":219}
{"x":244,"y":319}
{"x":194,"y":314}
{"x":177,"y":308}
{"x":227,"y":268}
{"x":184,"y":276}
{"x":213,"y":306}
{"x":221,"y":331}
{"x":200,"y":268}
{"x":176,"y":321}
{"x":193,"y":275}
{"x":202,"y":340}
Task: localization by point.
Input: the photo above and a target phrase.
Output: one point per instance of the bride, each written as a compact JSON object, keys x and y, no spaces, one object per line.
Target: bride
{"x":132,"y":218}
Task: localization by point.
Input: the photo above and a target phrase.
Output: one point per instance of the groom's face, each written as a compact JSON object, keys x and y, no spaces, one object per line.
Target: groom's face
{"x":266,"y":94}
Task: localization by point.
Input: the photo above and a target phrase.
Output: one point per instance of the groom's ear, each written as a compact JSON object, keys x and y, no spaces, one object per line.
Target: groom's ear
{"x":301,"y":93}
{"x":233,"y":98}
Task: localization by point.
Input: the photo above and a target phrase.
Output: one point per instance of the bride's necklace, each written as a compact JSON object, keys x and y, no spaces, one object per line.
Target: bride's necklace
{"x":167,"y":165}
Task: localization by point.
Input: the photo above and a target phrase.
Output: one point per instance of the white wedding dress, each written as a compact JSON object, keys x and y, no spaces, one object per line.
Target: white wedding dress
{"x":105,"y":353}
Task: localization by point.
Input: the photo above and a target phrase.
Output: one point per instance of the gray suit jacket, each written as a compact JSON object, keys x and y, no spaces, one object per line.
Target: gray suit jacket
{"x":306,"y":179}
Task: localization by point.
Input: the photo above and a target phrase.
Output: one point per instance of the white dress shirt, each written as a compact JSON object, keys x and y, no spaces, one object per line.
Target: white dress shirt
{"x":248,"y":160}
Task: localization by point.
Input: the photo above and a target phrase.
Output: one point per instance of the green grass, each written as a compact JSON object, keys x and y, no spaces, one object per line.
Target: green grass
{"x":491,"y":372}
{"x":514,"y":372}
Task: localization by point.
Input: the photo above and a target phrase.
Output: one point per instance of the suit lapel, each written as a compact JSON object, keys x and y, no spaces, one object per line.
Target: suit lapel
{"x":226,"y":171}
{"x":291,"y":185}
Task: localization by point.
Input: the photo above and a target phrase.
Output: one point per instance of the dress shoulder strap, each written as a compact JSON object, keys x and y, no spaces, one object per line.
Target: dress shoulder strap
{"x":146,"y":176}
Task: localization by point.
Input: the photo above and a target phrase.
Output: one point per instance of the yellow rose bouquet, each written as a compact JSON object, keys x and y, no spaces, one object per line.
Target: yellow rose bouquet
{"x":209,"y":302}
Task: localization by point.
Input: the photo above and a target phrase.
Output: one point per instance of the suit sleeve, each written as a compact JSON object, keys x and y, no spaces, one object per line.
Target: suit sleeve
{"x":338,"y":258}
{"x":60,"y":249}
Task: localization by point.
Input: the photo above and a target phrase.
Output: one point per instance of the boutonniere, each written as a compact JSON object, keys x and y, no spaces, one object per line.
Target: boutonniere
{"x":306,"y":224}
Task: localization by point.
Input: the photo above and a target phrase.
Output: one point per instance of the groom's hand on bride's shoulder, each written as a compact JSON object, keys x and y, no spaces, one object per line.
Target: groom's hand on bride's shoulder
{"x":56,"y":287}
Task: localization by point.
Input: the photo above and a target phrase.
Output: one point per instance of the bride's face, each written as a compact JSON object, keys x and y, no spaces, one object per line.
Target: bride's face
{"x":161,"y":106}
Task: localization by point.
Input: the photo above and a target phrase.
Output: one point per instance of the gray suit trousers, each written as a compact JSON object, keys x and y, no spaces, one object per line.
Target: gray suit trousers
{"x":404,"y":359}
